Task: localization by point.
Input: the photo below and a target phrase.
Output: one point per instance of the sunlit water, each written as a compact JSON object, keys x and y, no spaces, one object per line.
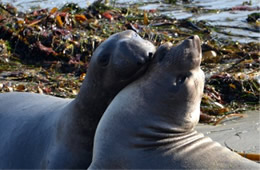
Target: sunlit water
{"x":230,"y":22}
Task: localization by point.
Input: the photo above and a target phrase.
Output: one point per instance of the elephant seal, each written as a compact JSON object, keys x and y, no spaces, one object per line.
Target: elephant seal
{"x":150,"y":123}
{"x":40,"y":131}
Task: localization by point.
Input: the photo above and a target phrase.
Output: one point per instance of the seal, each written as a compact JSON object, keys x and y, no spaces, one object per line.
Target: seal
{"x":150,"y":123}
{"x":40,"y":131}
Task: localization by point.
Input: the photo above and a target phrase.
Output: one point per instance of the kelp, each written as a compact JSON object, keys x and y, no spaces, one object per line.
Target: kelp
{"x":48,"y":51}
{"x":254,"y":17}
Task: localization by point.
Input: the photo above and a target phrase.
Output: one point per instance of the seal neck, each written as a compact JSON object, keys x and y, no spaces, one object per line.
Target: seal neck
{"x":82,"y":115}
{"x":172,"y":112}
{"x":91,"y":101}
{"x":157,"y":137}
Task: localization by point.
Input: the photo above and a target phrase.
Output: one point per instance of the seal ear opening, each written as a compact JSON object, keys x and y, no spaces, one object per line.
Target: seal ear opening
{"x":162,"y":51}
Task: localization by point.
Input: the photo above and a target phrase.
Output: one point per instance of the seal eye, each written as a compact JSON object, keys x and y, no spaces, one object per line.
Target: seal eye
{"x":180,"y":80}
{"x":103,"y":60}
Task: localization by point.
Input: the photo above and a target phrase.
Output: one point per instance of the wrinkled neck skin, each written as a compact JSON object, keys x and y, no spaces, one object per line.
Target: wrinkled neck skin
{"x":175,"y":115}
{"x":177,"y":120}
{"x":154,"y":121}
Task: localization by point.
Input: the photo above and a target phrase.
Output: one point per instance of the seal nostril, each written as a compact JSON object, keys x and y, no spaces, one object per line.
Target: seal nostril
{"x":150,"y":55}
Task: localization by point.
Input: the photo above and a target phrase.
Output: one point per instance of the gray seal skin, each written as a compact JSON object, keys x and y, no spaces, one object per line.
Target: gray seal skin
{"x":40,"y":131}
{"x":150,"y":123}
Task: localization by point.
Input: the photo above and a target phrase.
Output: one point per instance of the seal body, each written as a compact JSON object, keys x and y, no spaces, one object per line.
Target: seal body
{"x":39,"y":131}
{"x":27,"y":130}
{"x":150,"y":123}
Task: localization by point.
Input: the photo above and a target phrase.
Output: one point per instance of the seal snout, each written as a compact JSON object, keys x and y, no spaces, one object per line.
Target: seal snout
{"x":195,"y":44}
{"x":189,"y":55}
{"x":147,"y":53}
{"x":145,"y":59}
{"x":145,"y":49}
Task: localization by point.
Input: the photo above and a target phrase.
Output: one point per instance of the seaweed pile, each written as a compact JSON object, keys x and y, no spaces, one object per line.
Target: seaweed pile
{"x":48,"y":51}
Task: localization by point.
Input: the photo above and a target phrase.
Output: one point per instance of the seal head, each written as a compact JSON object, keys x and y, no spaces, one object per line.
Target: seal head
{"x":180,"y":82}
{"x":121,"y":58}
